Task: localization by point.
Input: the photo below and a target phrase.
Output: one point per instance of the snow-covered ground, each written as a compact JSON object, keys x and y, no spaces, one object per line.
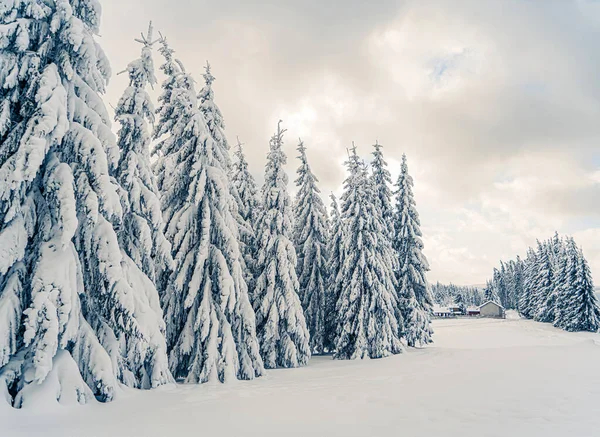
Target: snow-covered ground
{"x":482,"y":377}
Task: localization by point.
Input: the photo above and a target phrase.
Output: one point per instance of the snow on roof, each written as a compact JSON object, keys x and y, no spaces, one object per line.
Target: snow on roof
{"x":491,"y":301}
{"x":471,"y":308}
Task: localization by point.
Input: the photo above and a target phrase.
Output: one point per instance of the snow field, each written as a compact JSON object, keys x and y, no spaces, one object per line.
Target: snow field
{"x":481,"y":377}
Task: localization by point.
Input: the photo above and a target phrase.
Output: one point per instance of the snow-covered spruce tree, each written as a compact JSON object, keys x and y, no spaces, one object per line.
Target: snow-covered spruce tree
{"x":210,"y":324}
{"x":249,"y":210}
{"x":414,"y":294}
{"x":147,"y":252}
{"x":367,"y":324}
{"x":577,"y":306}
{"x":382,"y":181}
{"x":490,"y":293}
{"x":517,"y":284}
{"x":565,"y":267}
{"x":525,"y":304}
{"x":216,"y":126}
{"x":310,"y":240}
{"x":280,"y":322}
{"x":141,"y":235}
{"x":70,"y":313}
{"x":335,"y":253}
{"x":543,"y":299}
{"x":498,"y":288}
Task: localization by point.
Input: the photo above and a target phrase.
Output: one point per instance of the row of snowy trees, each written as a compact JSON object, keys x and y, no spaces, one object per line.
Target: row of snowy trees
{"x":553,"y":284}
{"x":456,"y":294}
{"x":117,"y":267}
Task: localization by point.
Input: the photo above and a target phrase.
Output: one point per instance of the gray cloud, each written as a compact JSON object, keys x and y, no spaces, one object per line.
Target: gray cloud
{"x":495,"y":103}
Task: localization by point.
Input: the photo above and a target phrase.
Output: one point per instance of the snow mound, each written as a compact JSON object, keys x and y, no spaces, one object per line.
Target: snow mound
{"x":63,"y":384}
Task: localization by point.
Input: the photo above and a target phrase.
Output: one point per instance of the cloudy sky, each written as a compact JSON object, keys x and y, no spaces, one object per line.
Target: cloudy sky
{"x":495,"y":103}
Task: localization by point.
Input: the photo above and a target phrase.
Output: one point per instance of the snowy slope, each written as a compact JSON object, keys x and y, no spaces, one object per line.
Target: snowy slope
{"x":481,"y":378}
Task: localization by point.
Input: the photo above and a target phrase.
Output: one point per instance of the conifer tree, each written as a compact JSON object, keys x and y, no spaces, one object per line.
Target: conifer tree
{"x":577,"y":306}
{"x":141,"y":237}
{"x":281,"y":326}
{"x":366,"y":307}
{"x":147,"y":251}
{"x":382,"y":181}
{"x":525,"y":304}
{"x":517,"y":288}
{"x":459,"y":300}
{"x":211,"y":331}
{"x":414,"y":293}
{"x":543,"y":297}
{"x":490,"y":293}
{"x":249,"y":210}
{"x":216,"y":126}
{"x":310,"y":240}
{"x":335,"y":251}
{"x":72,"y":303}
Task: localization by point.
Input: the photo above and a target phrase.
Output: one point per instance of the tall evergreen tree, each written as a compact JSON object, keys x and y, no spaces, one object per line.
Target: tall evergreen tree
{"x":490,"y":293}
{"x":577,"y":305}
{"x":517,"y":288}
{"x":147,"y":251}
{"x":382,"y":181}
{"x":211,"y":331}
{"x":544,"y":297}
{"x":366,"y":307}
{"x":414,"y":291}
{"x":216,"y":126}
{"x":141,"y":237}
{"x":565,"y":270}
{"x":69,"y":296}
{"x":310,"y":240}
{"x":525,"y":305}
{"x":282,"y":331}
{"x":335,"y":251}
{"x":249,"y":209}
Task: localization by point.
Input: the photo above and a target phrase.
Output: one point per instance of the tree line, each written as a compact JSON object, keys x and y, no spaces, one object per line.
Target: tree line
{"x":125,"y":265}
{"x":462,"y":296}
{"x":553,"y":284}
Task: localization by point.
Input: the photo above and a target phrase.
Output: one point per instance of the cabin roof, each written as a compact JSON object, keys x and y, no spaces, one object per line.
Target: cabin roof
{"x":491,"y":301}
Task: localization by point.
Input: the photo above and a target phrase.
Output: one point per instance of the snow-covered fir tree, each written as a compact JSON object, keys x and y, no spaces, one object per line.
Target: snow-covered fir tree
{"x":459,"y":301}
{"x":147,"y":251}
{"x":281,"y":326}
{"x":73,"y":303}
{"x":517,"y":283}
{"x":141,"y":235}
{"x":490,"y":293}
{"x":212,"y":114}
{"x":382,"y":181}
{"x":211,"y":331}
{"x":310,"y":240}
{"x":335,"y":252}
{"x":414,"y":293}
{"x":525,"y":304}
{"x":216,"y":126}
{"x":497,"y":286}
{"x":543,"y":298}
{"x":367,"y":325}
{"x":576,"y":304}
{"x":249,"y":210}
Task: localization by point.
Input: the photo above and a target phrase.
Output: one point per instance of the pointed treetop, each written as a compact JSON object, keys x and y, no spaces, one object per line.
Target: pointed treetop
{"x":147,"y":40}
{"x":208,"y":77}
{"x":302,"y":149}
{"x":280,"y":131}
{"x":239,"y":152}
{"x":333,"y":199}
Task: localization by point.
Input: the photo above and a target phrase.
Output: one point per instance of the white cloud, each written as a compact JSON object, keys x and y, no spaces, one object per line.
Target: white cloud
{"x":495,"y":104}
